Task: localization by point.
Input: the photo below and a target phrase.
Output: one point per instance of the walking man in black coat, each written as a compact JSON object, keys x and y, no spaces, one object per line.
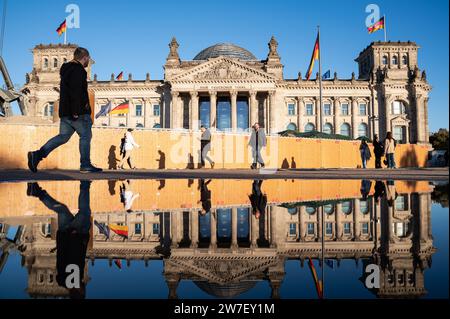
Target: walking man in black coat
{"x":74,"y":111}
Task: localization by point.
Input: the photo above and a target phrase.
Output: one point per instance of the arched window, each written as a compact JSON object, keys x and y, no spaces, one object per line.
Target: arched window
{"x":364,"y":206}
{"x":395,"y":60}
{"x":328,"y":128}
{"x":398,"y":107}
{"x":328,"y":209}
{"x":292,"y":127}
{"x":385,"y":60}
{"x":404,"y":60}
{"x":55,"y":62}
{"x":345,"y":129}
{"x":309,"y":127}
{"x":347,"y":207}
{"x":310,"y":210}
{"x":49,"y":109}
{"x":292,"y":211}
{"x":157,"y":125}
{"x":65,"y":60}
{"x":401,"y":229}
{"x":121,"y":125}
{"x":45,"y":63}
{"x":139,"y":125}
{"x":362,"y":130}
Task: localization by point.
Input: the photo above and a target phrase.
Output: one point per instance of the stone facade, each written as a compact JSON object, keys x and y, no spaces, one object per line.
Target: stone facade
{"x":390,"y":93}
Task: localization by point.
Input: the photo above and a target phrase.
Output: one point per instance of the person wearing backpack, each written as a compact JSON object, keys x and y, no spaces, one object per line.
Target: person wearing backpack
{"x":128,"y":147}
{"x":365,"y":153}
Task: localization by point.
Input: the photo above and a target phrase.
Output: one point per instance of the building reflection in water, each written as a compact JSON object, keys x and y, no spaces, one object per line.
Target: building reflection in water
{"x":226,"y":236}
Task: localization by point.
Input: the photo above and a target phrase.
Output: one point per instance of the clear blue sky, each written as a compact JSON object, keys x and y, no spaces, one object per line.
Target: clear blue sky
{"x":133,"y":35}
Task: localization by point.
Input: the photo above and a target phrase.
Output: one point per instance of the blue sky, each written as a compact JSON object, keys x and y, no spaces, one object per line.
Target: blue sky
{"x":133,"y":35}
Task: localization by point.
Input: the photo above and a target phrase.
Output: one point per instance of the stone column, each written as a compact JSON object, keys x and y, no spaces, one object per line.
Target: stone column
{"x":213,"y":109}
{"x":356,"y":220}
{"x":131,"y":109}
{"x":194,"y":111}
{"x":354,"y":130}
{"x":254,"y":231}
{"x":335,"y":114}
{"x":174,"y":110}
{"x":338,"y":221}
{"x":419,"y":119}
{"x":213,"y":230}
{"x":425,"y":118}
{"x":272,"y":112}
{"x":300,"y":113}
{"x":273,"y":226}
{"x":174,"y":229}
{"x":234,"y":226}
{"x":387,"y":105}
{"x":233,"y":95}
{"x":301,"y":231}
{"x":194,"y":229}
{"x":253,"y":108}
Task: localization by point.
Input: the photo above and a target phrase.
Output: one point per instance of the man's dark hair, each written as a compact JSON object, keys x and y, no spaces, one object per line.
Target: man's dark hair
{"x":80,"y":53}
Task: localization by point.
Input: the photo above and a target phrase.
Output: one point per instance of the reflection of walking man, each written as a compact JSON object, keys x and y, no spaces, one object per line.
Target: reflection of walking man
{"x":257,"y":142}
{"x":205,"y":143}
{"x":258,"y":199}
{"x":72,"y":237}
{"x":128,"y":147}
{"x":205,"y":196}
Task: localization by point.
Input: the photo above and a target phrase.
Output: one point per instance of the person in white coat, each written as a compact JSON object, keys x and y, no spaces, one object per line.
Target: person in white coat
{"x":128,"y":147}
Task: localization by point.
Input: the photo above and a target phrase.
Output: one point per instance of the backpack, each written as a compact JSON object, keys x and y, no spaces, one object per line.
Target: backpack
{"x":122,"y":146}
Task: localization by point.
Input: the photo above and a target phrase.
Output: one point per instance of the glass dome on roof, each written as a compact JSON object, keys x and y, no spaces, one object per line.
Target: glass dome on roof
{"x":225,"y":49}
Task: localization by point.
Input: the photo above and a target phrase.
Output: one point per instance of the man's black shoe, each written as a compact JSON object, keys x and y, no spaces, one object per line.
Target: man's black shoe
{"x":33,"y":189}
{"x":33,"y":161}
{"x":90,"y":169}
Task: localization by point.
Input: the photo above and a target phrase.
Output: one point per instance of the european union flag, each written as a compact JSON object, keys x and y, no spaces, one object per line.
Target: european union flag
{"x":326,"y":75}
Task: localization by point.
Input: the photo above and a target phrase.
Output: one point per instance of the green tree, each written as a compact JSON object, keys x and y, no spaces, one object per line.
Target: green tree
{"x":439,"y":140}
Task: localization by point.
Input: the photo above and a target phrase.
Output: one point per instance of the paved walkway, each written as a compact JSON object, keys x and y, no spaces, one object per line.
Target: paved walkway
{"x":428,"y":174}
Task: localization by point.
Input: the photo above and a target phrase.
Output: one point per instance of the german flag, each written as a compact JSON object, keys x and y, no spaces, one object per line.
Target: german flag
{"x":119,"y":229}
{"x":317,"y":282}
{"x":315,"y":56}
{"x":120,"y":76}
{"x":62,"y":28}
{"x":122,"y":108}
{"x":376,"y":26}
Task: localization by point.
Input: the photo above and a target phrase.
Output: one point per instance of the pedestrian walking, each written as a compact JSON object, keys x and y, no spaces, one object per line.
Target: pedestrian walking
{"x":129,"y":145}
{"x":365,"y":153}
{"x":378,"y":149}
{"x":205,"y":147}
{"x":74,"y":111}
{"x":257,"y":141}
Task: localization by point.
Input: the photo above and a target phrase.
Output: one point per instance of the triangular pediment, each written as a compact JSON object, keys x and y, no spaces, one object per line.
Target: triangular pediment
{"x":223,"y":270}
{"x":223,"y":69}
{"x":401,"y":119}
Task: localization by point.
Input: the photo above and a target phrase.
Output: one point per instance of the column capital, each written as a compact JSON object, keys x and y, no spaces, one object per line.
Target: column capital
{"x":271,"y":93}
{"x":194,"y":94}
{"x":175,"y":93}
{"x":300,"y":99}
{"x":233,"y":93}
{"x":212,"y":93}
{"x":253,"y":93}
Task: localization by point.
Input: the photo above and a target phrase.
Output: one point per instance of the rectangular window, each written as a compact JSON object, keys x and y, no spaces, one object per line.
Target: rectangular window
{"x":362,"y":109}
{"x":399,"y":133}
{"x":291,"y":109}
{"x":292,"y":229}
{"x":397,"y":107}
{"x":347,"y":229}
{"x":401,"y":203}
{"x":155,"y":229}
{"x":138,"y":110}
{"x":138,"y":229}
{"x":344,"y":109}
{"x":156,"y":110}
{"x":310,"y":229}
{"x":327,"y":109}
{"x":365,"y":228}
{"x":329,"y":229}
{"x":309,"y":109}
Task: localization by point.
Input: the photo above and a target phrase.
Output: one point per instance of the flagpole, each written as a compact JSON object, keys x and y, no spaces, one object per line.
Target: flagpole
{"x":385,"y":37}
{"x":65,"y":35}
{"x":320,"y":130}
{"x":320,"y":80}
